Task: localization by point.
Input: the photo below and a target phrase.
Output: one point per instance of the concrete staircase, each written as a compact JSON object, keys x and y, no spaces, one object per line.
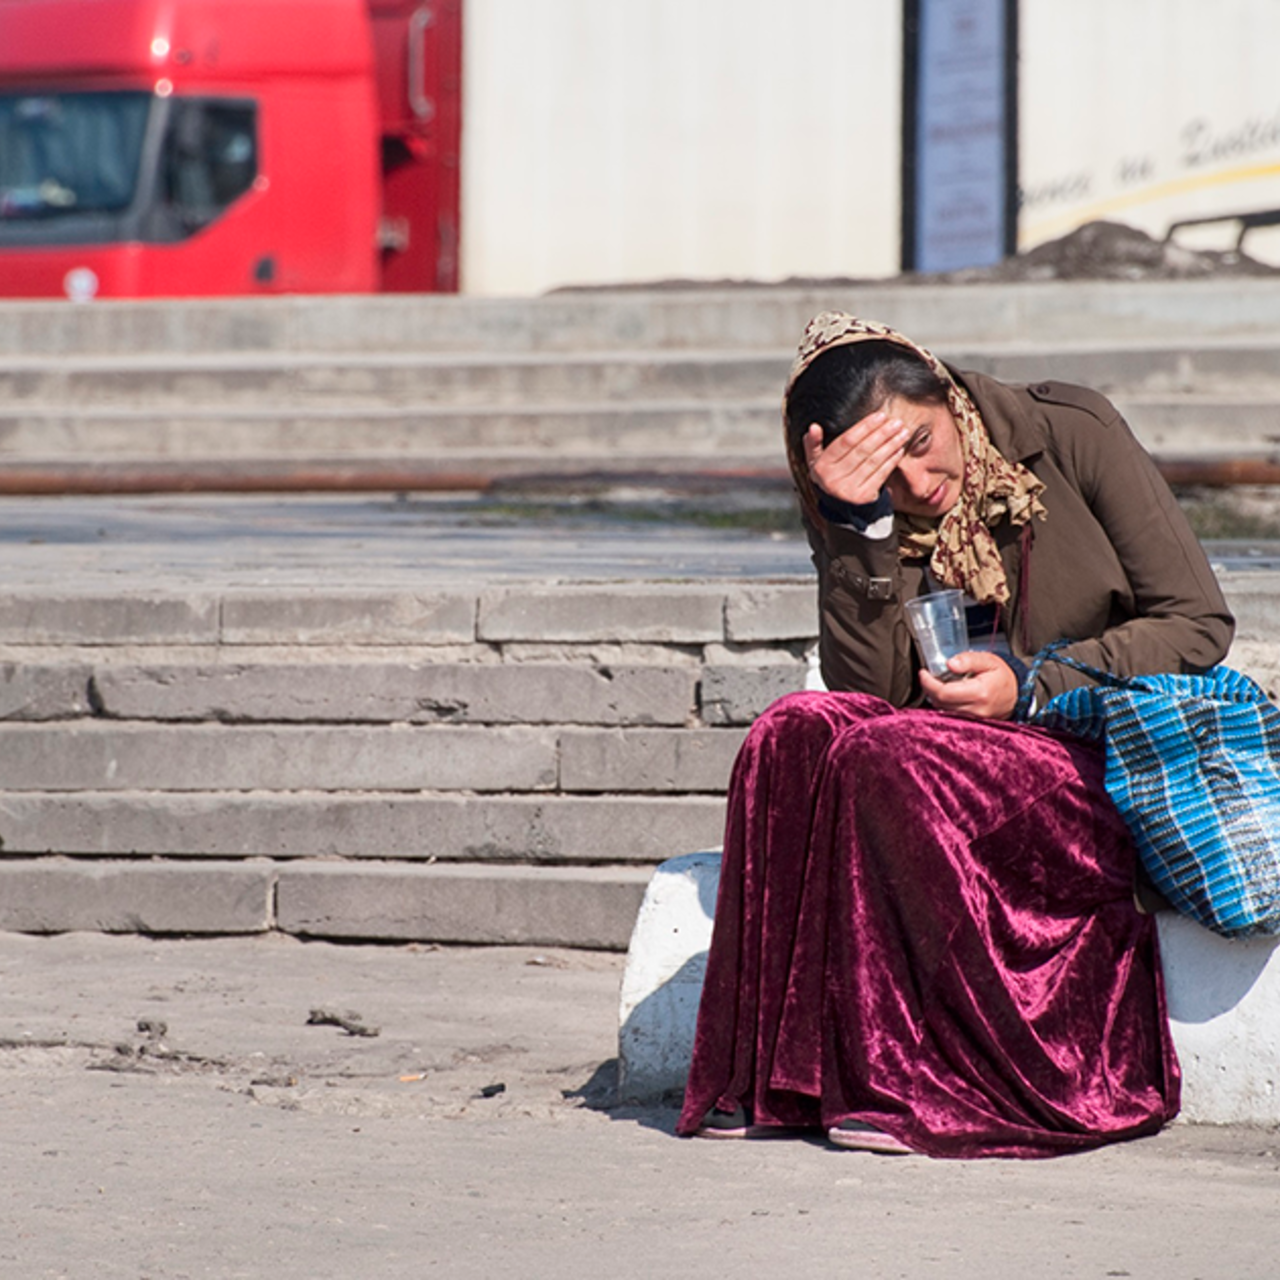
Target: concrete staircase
{"x":665,"y":381}
{"x":444,"y":749}
{"x":499,"y":763}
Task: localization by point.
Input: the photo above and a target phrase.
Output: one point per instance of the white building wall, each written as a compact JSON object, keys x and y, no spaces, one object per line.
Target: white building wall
{"x":610,"y":141}
{"x":1146,"y":111}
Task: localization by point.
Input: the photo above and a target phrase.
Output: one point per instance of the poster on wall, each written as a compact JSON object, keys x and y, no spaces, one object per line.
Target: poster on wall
{"x":959,"y":133}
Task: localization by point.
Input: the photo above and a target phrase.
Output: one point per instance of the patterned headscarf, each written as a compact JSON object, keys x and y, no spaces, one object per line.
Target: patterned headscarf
{"x":961,"y":549}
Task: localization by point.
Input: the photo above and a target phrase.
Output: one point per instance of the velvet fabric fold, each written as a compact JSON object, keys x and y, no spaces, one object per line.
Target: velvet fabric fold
{"x":927,"y":923}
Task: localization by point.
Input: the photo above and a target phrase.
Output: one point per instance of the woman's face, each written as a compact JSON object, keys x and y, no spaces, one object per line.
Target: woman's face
{"x":927,"y":481}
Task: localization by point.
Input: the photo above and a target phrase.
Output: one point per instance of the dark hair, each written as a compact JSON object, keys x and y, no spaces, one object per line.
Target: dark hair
{"x":845,"y":384}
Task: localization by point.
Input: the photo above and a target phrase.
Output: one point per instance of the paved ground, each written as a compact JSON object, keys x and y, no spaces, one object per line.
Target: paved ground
{"x":340,"y":542}
{"x":170,"y":1113}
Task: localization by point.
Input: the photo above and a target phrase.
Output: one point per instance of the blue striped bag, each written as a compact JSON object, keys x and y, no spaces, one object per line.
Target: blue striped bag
{"x":1193,"y":765}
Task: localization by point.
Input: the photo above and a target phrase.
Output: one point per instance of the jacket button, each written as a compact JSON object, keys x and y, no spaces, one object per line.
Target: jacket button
{"x":1041,"y":388}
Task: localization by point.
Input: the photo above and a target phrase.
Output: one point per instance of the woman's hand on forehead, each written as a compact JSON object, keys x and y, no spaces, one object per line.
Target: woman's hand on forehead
{"x":856,"y":464}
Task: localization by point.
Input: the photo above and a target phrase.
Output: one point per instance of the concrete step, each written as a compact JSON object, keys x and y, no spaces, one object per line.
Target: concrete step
{"x":275,"y":380}
{"x":344,"y":686}
{"x":746,"y":318}
{"x":78,"y":756}
{"x":374,"y":901}
{"x":1204,"y":424}
{"x":450,"y":608}
{"x":87,"y":756}
{"x":420,"y":379}
{"x":325,"y":686}
{"x":1129,"y":368}
{"x":530,"y":829}
{"x":607,"y":436}
{"x":531,"y":435}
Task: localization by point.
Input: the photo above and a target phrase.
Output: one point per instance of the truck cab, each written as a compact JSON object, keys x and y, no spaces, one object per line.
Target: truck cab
{"x":198,"y":147}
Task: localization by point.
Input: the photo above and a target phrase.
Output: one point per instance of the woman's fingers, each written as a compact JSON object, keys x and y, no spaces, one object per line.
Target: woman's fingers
{"x":988,"y":689}
{"x":885,"y":456}
{"x":813,"y":449}
{"x":856,"y":464}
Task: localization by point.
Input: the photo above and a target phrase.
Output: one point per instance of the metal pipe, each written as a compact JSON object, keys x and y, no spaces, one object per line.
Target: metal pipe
{"x":256,"y":477}
{"x":252,"y":478}
{"x":1220,"y":473}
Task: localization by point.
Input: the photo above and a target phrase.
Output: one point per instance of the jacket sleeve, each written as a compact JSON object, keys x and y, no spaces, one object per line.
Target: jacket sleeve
{"x":864,"y":645}
{"x":1181,"y":622}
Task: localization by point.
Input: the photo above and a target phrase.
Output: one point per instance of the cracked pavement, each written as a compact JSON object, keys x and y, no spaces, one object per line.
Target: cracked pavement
{"x":171,"y":1113}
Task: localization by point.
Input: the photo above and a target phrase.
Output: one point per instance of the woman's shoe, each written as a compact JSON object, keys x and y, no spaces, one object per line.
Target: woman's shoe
{"x":856,"y":1135}
{"x":732,"y":1124}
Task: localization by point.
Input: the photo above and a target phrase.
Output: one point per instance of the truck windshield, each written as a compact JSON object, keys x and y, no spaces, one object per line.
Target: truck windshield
{"x":63,"y":153}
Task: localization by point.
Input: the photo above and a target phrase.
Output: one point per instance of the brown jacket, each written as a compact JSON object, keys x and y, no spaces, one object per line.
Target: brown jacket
{"x":1114,"y":567}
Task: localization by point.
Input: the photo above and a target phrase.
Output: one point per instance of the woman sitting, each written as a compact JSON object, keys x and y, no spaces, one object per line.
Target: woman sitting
{"x":926,"y":937}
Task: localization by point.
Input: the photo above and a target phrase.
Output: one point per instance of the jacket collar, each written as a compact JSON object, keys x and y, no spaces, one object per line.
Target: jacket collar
{"x":1013,"y":430}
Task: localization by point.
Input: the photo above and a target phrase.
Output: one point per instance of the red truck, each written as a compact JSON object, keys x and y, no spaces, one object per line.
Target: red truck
{"x":168,"y":148}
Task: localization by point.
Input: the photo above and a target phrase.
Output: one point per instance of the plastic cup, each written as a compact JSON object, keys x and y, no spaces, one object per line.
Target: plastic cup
{"x":938,"y":625}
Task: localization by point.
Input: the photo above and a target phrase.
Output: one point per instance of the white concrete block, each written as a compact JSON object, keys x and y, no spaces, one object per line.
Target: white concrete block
{"x":1223,"y":995}
{"x":1224,"y":1010}
{"x":813,"y":680}
{"x":662,"y":981}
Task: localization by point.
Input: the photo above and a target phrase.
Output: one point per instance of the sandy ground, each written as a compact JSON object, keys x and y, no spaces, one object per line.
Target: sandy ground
{"x":170,"y":1112}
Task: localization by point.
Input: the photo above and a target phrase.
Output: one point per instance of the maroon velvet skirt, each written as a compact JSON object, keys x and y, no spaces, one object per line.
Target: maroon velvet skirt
{"x":927,"y":923}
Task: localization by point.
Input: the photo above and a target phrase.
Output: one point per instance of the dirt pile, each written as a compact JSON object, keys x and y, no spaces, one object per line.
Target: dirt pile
{"x":1095,"y":251}
{"x":1112,"y":251}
